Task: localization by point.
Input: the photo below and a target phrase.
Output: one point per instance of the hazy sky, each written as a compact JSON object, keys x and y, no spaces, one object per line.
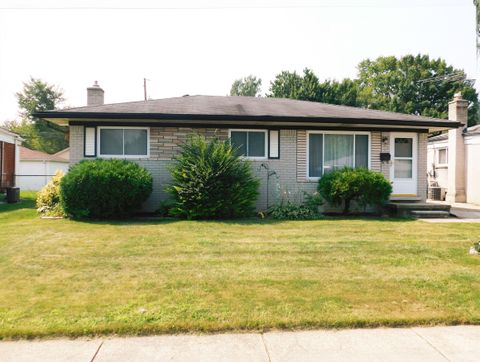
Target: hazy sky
{"x":200,"y":47}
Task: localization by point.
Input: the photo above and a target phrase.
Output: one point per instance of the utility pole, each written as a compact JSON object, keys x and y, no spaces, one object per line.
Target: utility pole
{"x":477,"y":24}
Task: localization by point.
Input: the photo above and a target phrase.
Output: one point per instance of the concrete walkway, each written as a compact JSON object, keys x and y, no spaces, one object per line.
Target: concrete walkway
{"x":461,"y":210}
{"x":460,"y":343}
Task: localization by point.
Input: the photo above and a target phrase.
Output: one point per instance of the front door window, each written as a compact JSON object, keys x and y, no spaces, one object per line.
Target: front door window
{"x":403,"y":154}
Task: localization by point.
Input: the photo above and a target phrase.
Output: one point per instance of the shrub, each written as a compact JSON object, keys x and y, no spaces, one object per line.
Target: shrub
{"x":48,"y":198}
{"x":308,"y":210}
{"x":211,"y":182}
{"x":104,"y":189}
{"x":361,"y":185}
{"x":291,"y":211}
{"x":166,"y":207}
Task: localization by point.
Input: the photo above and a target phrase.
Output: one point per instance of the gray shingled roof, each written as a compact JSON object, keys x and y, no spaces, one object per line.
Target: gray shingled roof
{"x":240,"y":107}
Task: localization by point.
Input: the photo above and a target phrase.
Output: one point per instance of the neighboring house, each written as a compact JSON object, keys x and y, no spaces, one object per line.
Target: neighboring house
{"x":64,"y":154}
{"x":9,"y":158}
{"x":298,"y":141}
{"x":441,"y":161}
{"x":36,"y":168}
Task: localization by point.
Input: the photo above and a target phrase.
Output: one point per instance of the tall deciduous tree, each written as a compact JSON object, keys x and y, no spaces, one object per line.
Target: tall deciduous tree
{"x":411,"y":84}
{"x":414,"y":84}
{"x":295,"y":86}
{"x":249,"y":86}
{"x":38,"y":96}
{"x":344,"y":92}
{"x":307,"y":87}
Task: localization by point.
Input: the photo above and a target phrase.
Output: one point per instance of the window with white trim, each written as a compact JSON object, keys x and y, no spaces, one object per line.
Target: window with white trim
{"x":442,"y":156}
{"x":123,"y":141}
{"x":329,"y":151}
{"x":250,"y":143}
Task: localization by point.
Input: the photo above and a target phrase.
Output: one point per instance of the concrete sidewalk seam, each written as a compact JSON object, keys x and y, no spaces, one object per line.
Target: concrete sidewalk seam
{"x":96,"y":352}
{"x":430,"y":344}
{"x":265,"y":347}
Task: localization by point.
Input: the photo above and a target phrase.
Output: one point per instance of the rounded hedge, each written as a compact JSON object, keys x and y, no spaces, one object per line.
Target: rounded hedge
{"x":209,"y":181}
{"x":104,"y":189}
{"x":364,"y":186}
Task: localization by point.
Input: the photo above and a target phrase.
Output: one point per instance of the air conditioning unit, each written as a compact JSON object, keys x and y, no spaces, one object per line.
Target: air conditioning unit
{"x":435,"y":193}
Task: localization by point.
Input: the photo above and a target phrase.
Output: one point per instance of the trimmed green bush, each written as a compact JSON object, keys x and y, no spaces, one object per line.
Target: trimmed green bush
{"x":104,"y":189}
{"x":211,"y":182}
{"x":361,"y":185}
{"x":48,"y":198}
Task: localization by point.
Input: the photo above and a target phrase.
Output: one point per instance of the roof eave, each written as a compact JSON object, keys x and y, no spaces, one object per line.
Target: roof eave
{"x":63,"y":118}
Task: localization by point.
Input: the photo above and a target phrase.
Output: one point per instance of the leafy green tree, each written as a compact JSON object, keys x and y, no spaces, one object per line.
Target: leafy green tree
{"x":307,"y":87}
{"x":292,"y":85}
{"x":249,"y":86}
{"x":415,"y":85}
{"x":411,"y":84}
{"x":38,"y":96}
{"x":345,"y":92}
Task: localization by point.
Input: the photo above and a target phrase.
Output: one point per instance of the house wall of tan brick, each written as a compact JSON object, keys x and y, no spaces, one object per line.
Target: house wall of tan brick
{"x":288,"y":175}
{"x":76,"y":144}
{"x":165,"y":141}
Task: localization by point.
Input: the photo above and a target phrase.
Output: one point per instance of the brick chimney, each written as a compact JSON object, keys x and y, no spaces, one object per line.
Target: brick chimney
{"x":95,"y":95}
{"x":457,"y":111}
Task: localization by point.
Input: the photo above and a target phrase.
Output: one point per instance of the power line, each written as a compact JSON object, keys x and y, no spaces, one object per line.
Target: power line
{"x":243,"y":5}
{"x":453,"y":77}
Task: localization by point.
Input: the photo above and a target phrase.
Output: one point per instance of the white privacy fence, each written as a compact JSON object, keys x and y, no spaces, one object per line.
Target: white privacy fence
{"x":33,"y":174}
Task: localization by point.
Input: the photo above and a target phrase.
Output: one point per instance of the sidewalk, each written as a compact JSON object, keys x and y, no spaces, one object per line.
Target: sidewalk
{"x":460,"y":343}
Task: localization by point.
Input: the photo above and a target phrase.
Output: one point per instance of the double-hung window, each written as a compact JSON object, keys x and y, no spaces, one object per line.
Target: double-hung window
{"x":442,"y":156}
{"x":329,"y":151}
{"x":250,"y":143}
{"x":128,"y":142}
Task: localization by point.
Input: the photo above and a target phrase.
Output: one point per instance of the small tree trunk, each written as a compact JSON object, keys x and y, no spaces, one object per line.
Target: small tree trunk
{"x":346,"y":207}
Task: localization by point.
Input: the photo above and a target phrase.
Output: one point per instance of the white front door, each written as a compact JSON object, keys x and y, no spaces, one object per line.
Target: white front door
{"x":403,"y":170}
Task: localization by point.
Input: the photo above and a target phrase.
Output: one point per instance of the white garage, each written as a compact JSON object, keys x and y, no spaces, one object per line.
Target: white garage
{"x":36,"y":168}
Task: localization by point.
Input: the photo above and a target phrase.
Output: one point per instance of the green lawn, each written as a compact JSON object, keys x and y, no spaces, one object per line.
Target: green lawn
{"x":61,"y":277}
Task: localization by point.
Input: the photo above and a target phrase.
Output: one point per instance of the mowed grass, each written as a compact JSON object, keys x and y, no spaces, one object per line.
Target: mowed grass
{"x":70,"y":278}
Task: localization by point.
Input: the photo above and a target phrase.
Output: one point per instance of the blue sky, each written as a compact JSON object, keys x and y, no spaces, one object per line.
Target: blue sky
{"x":200,"y":47}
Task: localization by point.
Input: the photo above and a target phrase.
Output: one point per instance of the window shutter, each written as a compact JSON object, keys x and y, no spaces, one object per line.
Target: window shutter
{"x":90,"y":142}
{"x":274,"y":144}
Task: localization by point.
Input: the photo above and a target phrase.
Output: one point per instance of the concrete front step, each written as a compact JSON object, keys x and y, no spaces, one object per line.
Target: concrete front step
{"x":429,"y":214}
{"x":407,"y":208}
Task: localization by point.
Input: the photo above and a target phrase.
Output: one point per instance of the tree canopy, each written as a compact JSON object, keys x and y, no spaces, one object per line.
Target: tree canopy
{"x":38,"y":96}
{"x":248,"y":86}
{"x":414,"y":84}
{"x":410,"y":84}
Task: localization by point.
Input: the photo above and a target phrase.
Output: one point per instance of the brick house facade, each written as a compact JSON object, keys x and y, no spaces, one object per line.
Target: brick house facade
{"x":397,"y":143}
